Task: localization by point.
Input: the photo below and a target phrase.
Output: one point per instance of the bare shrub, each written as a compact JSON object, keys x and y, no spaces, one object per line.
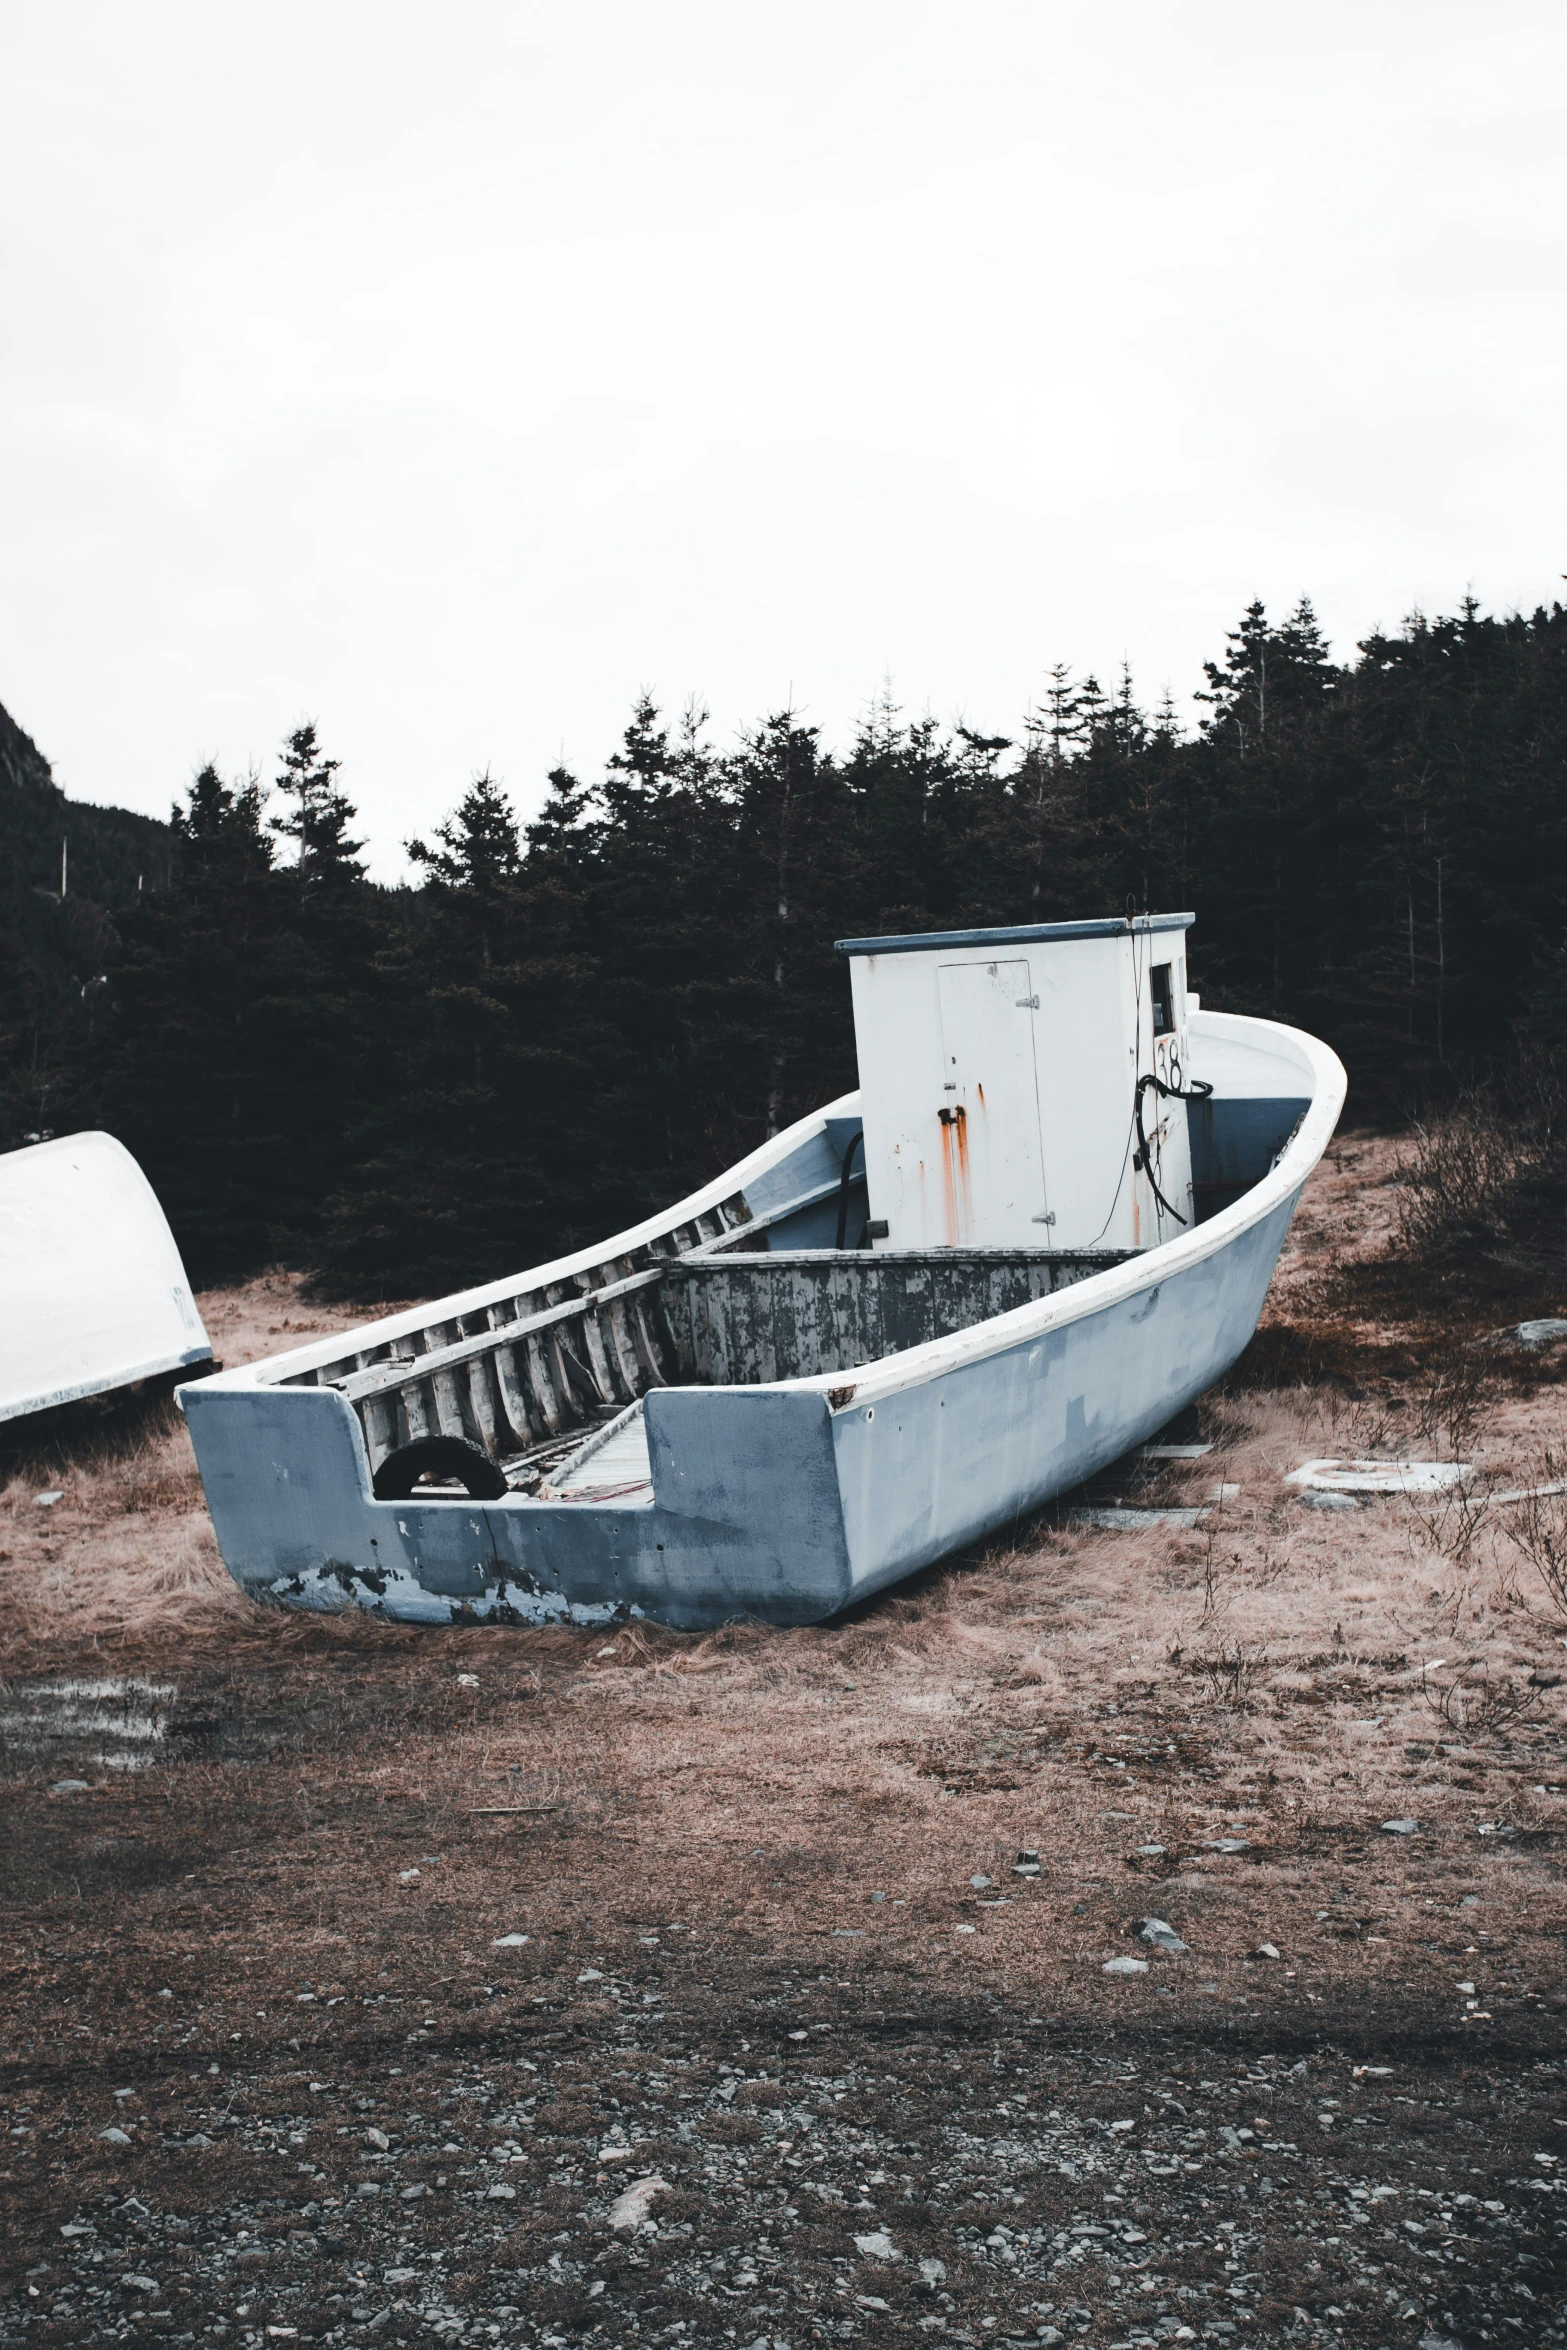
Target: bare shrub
{"x":1483,"y":1187}
{"x":1230,"y":1678}
{"x":1459,"y":1171}
{"x":1450,"y":1521}
{"x":1212,"y":1562}
{"x":1274,"y":1561}
{"x":1479,"y":1707}
{"x":1536,"y":1524}
{"x":1455,"y":1390}
{"x":1371,"y":1426}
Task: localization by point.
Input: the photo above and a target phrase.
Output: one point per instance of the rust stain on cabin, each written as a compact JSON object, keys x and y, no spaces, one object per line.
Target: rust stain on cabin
{"x":955,"y":1173}
{"x":948,"y":1188}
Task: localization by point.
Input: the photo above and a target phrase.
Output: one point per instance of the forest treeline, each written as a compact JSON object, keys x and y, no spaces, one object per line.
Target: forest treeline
{"x":566,"y":1022}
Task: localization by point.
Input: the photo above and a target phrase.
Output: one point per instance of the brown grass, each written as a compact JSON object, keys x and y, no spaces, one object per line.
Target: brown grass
{"x":127,"y":1557}
{"x":1276,"y":1673}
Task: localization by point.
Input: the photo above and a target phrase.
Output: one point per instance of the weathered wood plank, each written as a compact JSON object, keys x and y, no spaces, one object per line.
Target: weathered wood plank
{"x":621,"y":1339}
{"x":386,"y":1378}
{"x":448,"y":1403}
{"x":798,"y":1313}
{"x":527,"y":1422}
{"x":481,"y":1402}
{"x":646,"y":1343}
{"x":380,"y":1426}
{"x":598,"y":1359}
{"x":672,"y":1300}
{"x":745,"y":1228}
{"x":541,"y":1385}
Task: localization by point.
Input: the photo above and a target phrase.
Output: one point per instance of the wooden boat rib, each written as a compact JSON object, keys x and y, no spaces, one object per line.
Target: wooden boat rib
{"x":720,"y":1412}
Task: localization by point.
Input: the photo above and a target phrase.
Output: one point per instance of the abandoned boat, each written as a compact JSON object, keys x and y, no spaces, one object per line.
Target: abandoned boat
{"x":94,"y":1291}
{"x":1045,"y":1222}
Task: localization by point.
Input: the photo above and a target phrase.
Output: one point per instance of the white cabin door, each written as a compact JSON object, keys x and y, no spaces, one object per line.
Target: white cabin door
{"x":992,"y":1166}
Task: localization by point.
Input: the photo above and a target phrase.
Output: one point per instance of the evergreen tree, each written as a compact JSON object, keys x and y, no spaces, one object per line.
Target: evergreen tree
{"x":317,"y":816}
{"x":201,"y":1088}
{"x":792,"y":823}
{"x":566,"y":1023}
{"x":488,"y":1151}
{"x":892,"y":856}
{"x":247,"y":1027}
{"x":477,"y":847}
{"x":1049,"y":810}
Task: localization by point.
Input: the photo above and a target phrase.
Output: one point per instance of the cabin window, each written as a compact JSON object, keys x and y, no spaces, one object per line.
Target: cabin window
{"x":1163,"y":999}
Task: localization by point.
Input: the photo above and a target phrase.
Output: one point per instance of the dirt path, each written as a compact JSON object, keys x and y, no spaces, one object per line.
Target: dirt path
{"x":759,"y":1961}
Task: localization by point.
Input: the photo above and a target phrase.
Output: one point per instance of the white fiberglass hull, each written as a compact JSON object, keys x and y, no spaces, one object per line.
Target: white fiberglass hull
{"x":785,"y":1498}
{"x":95,"y":1296}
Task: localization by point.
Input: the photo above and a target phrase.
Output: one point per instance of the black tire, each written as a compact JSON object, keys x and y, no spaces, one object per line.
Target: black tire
{"x":438,"y":1456}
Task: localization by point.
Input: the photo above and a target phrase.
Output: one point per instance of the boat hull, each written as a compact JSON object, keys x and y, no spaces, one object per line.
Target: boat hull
{"x":785,"y":1500}
{"x":95,"y":1294}
{"x":768,"y":1503}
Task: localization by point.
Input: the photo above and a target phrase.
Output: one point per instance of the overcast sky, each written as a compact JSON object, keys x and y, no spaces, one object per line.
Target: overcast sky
{"x":449,"y":374}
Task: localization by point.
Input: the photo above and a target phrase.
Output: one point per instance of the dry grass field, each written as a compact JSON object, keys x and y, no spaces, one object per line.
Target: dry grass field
{"x":394,"y":1958}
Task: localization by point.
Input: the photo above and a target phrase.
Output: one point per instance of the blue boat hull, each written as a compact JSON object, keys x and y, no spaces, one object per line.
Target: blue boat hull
{"x":766,"y":1502}
{"x":726,"y":1412}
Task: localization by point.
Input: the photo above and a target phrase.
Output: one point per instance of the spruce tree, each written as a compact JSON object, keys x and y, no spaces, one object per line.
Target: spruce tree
{"x":330,"y":1020}
{"x":200,"y":1086}
{"x":317,"y":815}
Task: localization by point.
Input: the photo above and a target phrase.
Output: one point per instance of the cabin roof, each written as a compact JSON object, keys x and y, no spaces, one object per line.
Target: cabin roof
{"x":1108,"y":927}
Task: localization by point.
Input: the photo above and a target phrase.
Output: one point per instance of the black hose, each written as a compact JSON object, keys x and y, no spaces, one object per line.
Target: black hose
{"x":843,"y":1184}
{"x":1198,"y":1091}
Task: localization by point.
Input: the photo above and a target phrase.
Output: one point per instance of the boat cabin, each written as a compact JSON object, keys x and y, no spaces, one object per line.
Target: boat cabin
{"x":999,"y":1084}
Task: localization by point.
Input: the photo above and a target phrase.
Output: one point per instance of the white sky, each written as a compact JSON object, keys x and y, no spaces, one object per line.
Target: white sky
{"x":447,"y":374}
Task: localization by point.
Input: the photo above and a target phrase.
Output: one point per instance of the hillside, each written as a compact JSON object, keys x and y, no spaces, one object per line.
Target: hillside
{"x":111,"y":849}
{"x":55,"y":953}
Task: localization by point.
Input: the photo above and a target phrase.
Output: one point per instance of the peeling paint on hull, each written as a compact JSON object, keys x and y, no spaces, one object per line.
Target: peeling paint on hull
{"x":401,"y":1597}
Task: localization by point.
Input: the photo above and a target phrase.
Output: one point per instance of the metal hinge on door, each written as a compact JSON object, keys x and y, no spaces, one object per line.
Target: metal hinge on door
{"x":1028,"y":1003}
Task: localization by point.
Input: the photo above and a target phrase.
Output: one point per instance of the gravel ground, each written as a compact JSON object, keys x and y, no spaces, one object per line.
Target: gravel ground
{"x":342,"y":2107}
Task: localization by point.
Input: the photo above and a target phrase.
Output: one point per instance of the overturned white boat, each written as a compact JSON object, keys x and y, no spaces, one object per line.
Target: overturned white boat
{"x":94,"y":1294}
{"x":1045,"y":1223}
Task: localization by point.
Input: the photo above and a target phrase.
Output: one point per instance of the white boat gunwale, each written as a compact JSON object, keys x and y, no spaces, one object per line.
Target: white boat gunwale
{"x":1304,"y":1147}
{"x":1324,"y":1086}
{"x":411,"y":1320}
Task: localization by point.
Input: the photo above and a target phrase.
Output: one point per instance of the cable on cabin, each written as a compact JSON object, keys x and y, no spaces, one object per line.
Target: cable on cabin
{"x":1198,"y":1091}
{"x":843,"y":1184}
